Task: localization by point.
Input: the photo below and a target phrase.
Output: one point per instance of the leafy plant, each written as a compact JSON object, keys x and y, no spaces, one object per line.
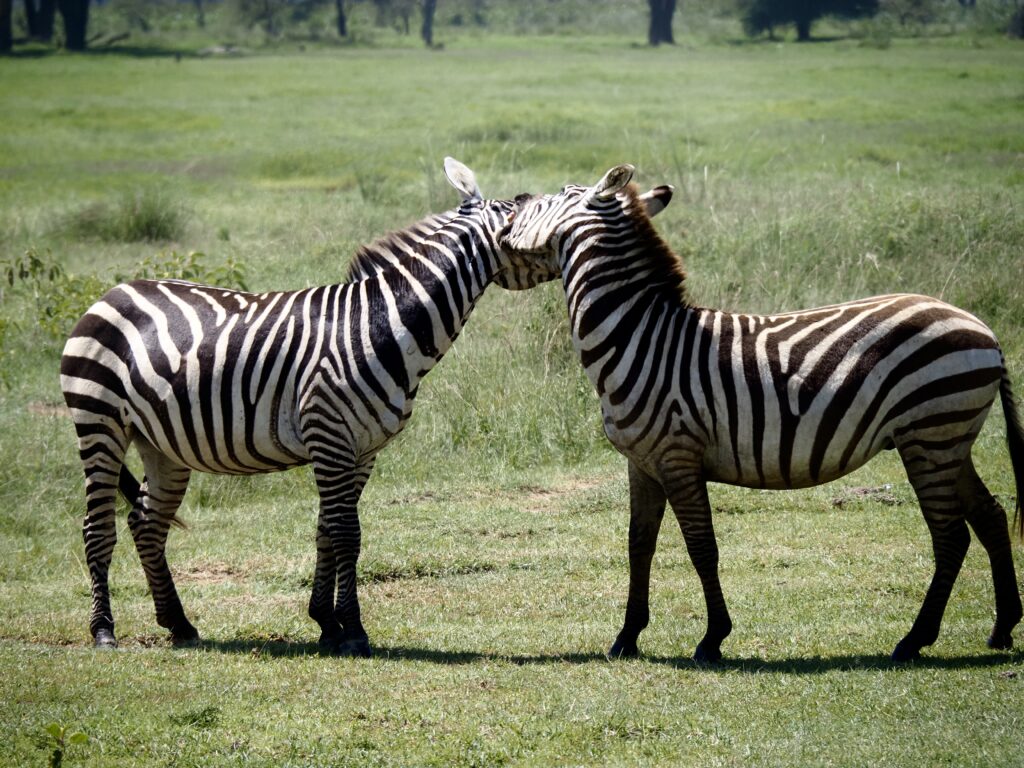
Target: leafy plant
{"x":59,"y":298}
{"x":192,"y":266}
{"x":141,"y":216}
{"x":57,"y":738}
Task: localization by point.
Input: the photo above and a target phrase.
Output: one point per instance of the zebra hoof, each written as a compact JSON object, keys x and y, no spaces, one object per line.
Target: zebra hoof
{"x":623,"y":650}
{"x":104,"y":638}
{"x":329,"y":642}
{"x":1000,"y":641}
{"x":905,"y":652}
{"x":356,"y":647}
{"x":707,"y":654}
{"x":185,"y":637}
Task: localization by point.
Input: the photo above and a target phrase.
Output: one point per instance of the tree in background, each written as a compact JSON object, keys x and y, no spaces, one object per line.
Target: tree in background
{"x":39,"y":16}
{"x":339,"y":5}
{"x":75,"y":14}
{"x":660,"y":30}
{"x":427,"y":30}
{"x":6,"y":41}
{"x":764,"y":15}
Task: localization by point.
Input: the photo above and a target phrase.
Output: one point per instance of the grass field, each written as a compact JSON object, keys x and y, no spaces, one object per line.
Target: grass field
{"x":493,"y":574}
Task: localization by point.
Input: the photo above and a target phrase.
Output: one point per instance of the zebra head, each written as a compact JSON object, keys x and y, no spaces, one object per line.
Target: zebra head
{"x":542,"y":225}
{"x":517,"y":271}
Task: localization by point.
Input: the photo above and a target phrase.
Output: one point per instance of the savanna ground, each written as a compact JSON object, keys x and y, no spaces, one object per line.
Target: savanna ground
{"x":494,"y":569}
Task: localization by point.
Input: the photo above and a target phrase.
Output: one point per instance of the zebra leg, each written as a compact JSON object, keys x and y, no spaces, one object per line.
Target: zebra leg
{"x":325,"y":578}
{"x":322,"y":606}
{"x":340,"y":485}
{"x":936,"y":488}
{"x":149,"y":521}
{"x":102,"y":443}
{"x":646,"y":510}
{"x":688,"y":495}
{"x":988,"y":520}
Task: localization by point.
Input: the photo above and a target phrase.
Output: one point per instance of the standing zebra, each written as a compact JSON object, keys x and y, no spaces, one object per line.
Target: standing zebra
{"x":215,"y":380}
{"x":792,"y":400}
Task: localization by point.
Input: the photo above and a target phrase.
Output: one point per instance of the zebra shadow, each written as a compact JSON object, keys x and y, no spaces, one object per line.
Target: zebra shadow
{"x":798,"y":665}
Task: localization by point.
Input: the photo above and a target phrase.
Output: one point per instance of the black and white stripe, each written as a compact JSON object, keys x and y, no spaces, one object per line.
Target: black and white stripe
{"x":216,"y":380}
{"x":770,"y":401}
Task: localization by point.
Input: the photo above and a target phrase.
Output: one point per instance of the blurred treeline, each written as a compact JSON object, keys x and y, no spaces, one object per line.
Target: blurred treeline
{"x":227,"y":26}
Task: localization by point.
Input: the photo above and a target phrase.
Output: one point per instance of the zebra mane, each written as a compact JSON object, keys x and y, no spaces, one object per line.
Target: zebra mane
{"x":373,"y":258}
{"x":669,"y":265}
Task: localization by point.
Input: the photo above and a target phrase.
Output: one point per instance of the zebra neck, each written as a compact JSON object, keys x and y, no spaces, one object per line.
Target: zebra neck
{"x":611,"y":309}
{"x":429,"y":298}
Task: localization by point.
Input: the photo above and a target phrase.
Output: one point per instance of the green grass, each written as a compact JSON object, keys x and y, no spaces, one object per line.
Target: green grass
{"x":494,"y":564}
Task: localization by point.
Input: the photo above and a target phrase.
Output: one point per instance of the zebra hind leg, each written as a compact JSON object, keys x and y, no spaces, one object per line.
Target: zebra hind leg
{"x":150,"y":519}
{"x":988,"y":520}
{"x":646,"y":510}
{"x":936,"y":488}
{"x":102,"y":444}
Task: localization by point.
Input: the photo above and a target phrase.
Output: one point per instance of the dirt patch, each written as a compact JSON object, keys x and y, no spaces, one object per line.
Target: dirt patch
{"x":50,"y":410}
{"x":882,"y":494}
{"x":209,"y":573}
{"x":540,"y":499}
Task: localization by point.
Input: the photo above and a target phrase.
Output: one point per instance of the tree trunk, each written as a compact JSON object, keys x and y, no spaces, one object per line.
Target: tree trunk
{"x":342,"y":21}
{"x":45,"y":15}
{"x":427,"y":32}
{"x":660,"y":30}
{"x":803,"y":30}
{"x":200,"y":14}
{"x":76,"y":23}
{"x":6,"y":41}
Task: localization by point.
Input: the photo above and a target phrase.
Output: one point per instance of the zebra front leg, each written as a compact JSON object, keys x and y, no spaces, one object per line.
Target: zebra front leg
{"x":688,"y":495}
{"x":646,"y":510}
{"x":325,"y":579}
{"x":988,"y":520}
{"x":149,"y":521}
{"x":340,"y":487}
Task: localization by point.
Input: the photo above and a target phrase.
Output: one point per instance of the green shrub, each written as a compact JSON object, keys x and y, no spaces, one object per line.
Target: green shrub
{"x":56,"y":299}
{"x":145,"y":216}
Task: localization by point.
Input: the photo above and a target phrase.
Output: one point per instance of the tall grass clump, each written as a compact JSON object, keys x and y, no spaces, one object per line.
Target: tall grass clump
{"x":140,"y":216}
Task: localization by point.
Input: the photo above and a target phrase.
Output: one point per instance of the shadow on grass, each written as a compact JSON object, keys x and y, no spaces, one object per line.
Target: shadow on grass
{"x":749,"y":665}
{"x":126,"y":51}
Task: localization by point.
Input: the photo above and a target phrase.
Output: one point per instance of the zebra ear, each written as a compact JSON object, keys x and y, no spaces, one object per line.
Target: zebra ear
{"x":612,"y":182}
{"x":462,"y":179}
{"x":657,"y":199}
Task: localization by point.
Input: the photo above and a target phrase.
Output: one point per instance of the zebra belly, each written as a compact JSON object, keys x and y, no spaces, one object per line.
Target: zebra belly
{"x":937,"y":413}
{"x":247,"y":439}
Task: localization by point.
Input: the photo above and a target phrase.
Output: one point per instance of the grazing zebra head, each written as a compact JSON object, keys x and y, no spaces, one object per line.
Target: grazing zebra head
{"x":519,"y":273}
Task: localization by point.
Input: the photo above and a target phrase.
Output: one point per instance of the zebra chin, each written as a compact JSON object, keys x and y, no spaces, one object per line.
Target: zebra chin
{"x":521,"y":278}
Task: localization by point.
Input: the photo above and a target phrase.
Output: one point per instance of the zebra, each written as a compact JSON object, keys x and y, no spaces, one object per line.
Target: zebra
{"x":200,"y":378}
{"x":691,"y":395}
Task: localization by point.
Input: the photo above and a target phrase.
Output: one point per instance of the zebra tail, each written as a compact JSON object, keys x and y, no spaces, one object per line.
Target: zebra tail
{"x":1015,"y":442}
{"x":130,"y":489}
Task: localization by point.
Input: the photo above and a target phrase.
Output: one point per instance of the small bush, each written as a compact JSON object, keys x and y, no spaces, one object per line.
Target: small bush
{"x":58,"y":299}
{"x":145,"y":216}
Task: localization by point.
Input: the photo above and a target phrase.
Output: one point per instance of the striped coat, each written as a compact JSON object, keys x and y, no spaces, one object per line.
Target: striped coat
{"x":215,"y":380}
{"x":691,"y":395}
